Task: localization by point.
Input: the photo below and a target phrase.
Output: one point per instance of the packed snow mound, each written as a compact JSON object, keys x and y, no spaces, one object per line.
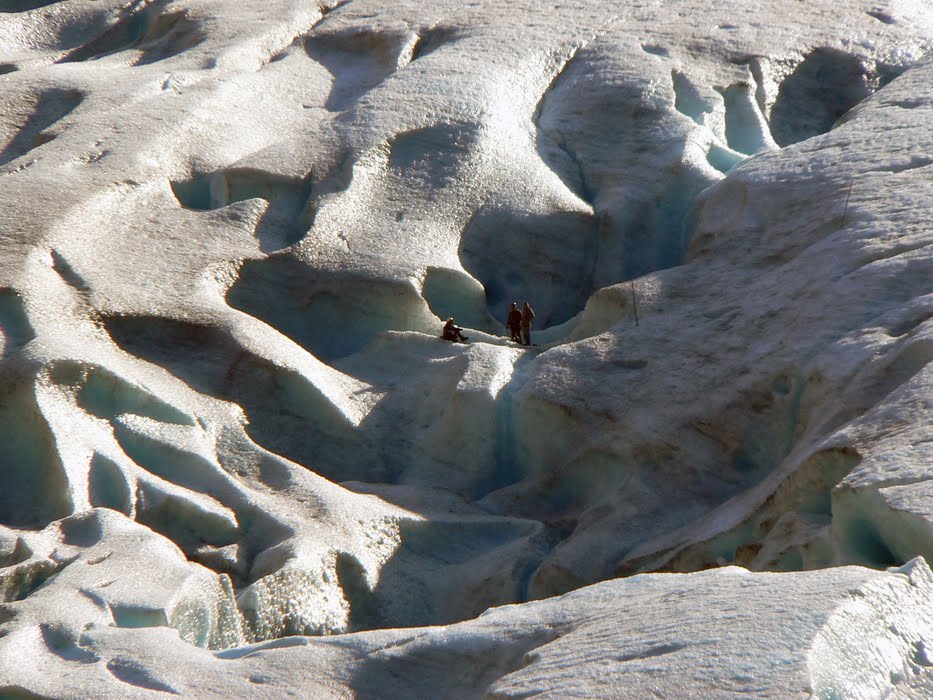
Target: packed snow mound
{"x":231,"y":233}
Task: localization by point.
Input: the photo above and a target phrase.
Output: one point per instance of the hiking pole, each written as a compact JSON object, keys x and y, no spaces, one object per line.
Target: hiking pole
{"x":634,"y":304}
{"x":845,"y":211}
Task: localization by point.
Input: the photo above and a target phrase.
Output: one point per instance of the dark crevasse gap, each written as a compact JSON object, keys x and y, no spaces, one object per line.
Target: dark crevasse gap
{"x":687,"y":98}
{"x":169,"y":462}
{"x":156,"y":34}
{"x":826,"y":85}
{"x":330,"y":314}
{"x":107,"y":486}
{"x":15,"y":329}
{"x":14,"y":554}
{"x":23,"y":581}
{"x":357,"y":59}
{"x":84,"y":530}
{"x":12,"y":6}
{"x":9,"y":692}
{"x":106,"y":395}
{"x":364,"y":605}
{"x":64,"y":645}
{"x":882,"y":17}
{"x":431,"y":39}
{"x":655,"y":50}
{"x":451,"y":293}
{"x":504,"y":549}
{"x":287,"y":217}
{"x":169,"y":35}
{"x":556,"y":274}
{"x":35,"y":487}
{"x":70,"y":276}
{"x":422,"y":673}
{"x":48,"y":107}
{"x":134,"y":673}
{"x":361,"y":59}
{"x":862,"y":543}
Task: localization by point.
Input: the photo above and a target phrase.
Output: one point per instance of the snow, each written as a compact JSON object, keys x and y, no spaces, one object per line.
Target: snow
{"x":237,"y":460}
{"x":843,"y":632}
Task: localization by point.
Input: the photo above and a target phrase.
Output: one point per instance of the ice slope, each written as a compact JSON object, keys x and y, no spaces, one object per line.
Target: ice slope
{"x":727,"y":633}
{"x":808,"y":292}
{"x":230,"y":232}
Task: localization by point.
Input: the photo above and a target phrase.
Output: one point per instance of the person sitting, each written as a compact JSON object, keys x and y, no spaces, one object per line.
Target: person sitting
{"x":452,"y":332}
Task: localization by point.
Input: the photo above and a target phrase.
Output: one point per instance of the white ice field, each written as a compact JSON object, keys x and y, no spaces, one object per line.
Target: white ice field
{"x":237,"y":461}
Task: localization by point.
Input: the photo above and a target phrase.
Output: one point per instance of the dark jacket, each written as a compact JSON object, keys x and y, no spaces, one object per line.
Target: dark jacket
{"x":528,"y":316}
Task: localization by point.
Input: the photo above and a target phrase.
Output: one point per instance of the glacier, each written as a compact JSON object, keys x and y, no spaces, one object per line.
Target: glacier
{"x":237,"y":460}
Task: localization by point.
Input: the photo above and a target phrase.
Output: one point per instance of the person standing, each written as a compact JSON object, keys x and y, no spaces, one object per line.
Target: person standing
{"x":514,"y":322}
{"x":528,"y":317}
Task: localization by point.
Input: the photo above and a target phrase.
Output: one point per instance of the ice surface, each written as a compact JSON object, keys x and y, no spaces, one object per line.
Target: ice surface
{"x":846,"y":632}
{"x":230,"y":435}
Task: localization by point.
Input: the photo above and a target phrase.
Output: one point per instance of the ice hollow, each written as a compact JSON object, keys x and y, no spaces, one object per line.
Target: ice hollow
{"x":236,"y":458}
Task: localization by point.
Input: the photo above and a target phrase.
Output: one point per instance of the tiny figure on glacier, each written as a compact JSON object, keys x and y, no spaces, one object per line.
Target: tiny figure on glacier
{"x":452,"y":332}
{"x":514,"y":322}
{"x":528,"y":317}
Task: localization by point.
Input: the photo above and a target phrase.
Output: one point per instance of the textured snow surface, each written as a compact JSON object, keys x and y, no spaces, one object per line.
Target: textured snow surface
{"x":237,"y":461}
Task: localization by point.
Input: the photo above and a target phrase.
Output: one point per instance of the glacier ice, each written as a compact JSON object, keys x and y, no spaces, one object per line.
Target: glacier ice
{"x":236,"y":459}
